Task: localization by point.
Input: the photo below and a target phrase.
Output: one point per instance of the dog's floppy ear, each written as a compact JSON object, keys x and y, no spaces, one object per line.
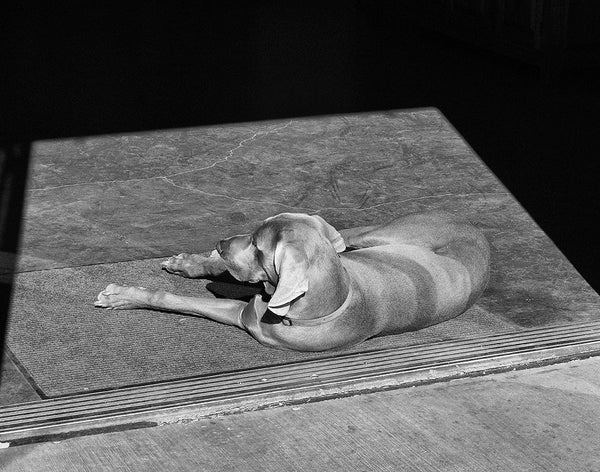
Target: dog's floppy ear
{"x":291,"y":265}
{"x":331,"y":234}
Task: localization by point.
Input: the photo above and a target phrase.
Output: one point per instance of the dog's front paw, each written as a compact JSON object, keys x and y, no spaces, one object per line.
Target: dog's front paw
{"x":117,"y":297}
{"x":185,"y":265}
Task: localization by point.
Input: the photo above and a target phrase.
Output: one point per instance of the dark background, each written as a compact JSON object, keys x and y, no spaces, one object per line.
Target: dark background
{"x":75,"y":71}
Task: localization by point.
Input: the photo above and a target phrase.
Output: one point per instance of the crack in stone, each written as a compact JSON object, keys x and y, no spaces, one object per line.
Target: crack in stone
{"x":243,"y":200}
{"x":166,"y":177}
{"x":231,"y":151}
{"x":229,"y":154}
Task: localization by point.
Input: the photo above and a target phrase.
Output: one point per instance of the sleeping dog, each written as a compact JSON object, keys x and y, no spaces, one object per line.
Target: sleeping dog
{"x":326,"y":289}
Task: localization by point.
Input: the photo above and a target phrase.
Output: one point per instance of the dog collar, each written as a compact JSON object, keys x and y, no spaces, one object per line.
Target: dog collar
{"x":302,"y":322}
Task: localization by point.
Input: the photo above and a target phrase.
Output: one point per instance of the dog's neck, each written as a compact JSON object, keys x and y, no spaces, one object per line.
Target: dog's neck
{"x":328,"y":288}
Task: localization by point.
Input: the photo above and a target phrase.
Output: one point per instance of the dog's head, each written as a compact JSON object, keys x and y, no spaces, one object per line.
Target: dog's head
{"x":280,"y":253}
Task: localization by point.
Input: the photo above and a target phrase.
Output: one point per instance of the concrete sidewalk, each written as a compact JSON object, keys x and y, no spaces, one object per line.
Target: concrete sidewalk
{"x":539,"y":419}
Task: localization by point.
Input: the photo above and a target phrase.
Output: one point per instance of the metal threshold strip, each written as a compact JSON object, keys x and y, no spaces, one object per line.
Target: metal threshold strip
{"x":298,"y":382}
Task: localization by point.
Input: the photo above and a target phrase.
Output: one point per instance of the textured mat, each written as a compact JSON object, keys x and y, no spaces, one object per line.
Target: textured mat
{"x":68,"y":346}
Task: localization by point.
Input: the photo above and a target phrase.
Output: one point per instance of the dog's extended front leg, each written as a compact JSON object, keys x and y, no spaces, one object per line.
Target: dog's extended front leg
{"x":118,"y":297}
{"x":195,"y":265}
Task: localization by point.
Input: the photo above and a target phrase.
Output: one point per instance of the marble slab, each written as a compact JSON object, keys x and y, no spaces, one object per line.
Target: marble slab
{"x":115,"y":198}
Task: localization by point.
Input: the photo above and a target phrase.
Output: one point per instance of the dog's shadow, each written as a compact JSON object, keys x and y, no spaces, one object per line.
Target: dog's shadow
{"x":226,"y":286}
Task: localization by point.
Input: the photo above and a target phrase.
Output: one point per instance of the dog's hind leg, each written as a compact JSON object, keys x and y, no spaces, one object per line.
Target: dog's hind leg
{"x":117,"y":297}
{"x":432,"y":230}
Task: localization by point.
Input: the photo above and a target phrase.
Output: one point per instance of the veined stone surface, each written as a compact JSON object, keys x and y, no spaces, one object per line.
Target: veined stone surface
{"x":114,"y":198}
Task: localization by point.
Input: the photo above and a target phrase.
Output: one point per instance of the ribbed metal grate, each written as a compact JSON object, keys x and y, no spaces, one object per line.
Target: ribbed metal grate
{"x":302,"y":380}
